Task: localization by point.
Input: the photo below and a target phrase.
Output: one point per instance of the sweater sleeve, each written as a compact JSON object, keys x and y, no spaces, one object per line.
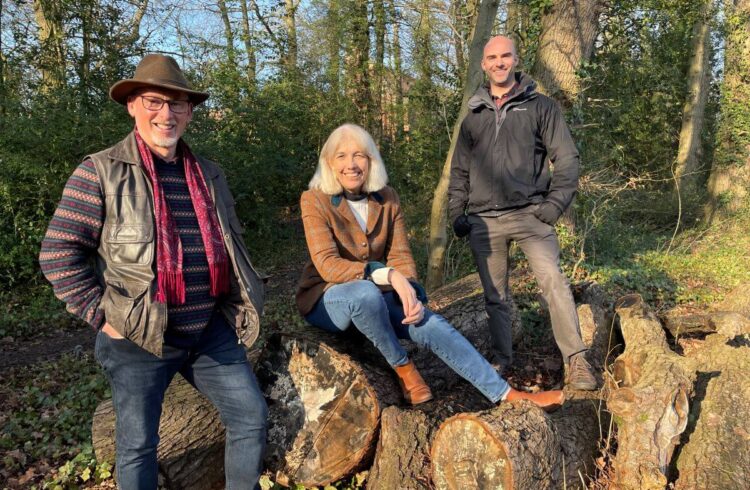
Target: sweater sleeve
{"x":67,"y":252}
{"x":563,"y":153}
{"x":324,"y":252}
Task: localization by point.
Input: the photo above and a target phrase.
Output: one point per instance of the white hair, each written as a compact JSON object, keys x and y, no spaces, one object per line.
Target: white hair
{"x":325,"y":179}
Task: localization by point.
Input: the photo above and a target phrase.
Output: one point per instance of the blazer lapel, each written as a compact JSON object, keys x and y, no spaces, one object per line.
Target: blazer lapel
{"x":343,"y":208}
{"x":374,"y":210}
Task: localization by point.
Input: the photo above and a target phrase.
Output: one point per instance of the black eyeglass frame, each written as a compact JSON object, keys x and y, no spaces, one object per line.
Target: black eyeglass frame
{"x":158,"y":100}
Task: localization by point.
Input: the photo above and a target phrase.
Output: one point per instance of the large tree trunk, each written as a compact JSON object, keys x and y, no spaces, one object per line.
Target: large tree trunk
{"x":730,"y":172}
{"x":689,"y":151}
{"x":191,"y":449}
{"x":485,"y":20}
{"x":650,"y":404}
{"x":569,"y":30}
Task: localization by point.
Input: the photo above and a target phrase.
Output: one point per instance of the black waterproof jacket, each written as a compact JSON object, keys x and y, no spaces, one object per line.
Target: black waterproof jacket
{"x":502,"y":155}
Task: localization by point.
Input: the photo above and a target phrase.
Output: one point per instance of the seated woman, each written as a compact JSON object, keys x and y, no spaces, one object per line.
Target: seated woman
{"x":362,"y":272}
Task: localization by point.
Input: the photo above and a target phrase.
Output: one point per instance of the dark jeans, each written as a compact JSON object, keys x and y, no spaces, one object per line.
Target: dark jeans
{"x":490,"y":239}
{"x":215,"y":364}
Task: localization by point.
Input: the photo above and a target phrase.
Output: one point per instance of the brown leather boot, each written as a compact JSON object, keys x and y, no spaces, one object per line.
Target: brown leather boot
{"x":413,"y":386}
{"x":549,"y":401}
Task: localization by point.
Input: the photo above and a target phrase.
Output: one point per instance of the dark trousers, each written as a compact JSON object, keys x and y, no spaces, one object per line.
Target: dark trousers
{"x":215,"y":364}
{"x":490,"y":240}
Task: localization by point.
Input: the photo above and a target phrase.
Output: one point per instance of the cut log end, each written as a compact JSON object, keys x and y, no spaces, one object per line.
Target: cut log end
{"x":467,"y":455}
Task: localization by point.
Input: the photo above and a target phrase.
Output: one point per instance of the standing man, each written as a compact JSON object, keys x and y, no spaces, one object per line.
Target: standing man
{"x":145,"y":246}
{"x":501,"y":191}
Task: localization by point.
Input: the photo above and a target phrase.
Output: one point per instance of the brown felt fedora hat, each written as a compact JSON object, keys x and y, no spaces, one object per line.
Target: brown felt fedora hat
{"x":159,"y":71}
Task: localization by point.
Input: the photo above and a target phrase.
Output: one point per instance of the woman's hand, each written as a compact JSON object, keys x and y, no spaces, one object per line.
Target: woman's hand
{"x":413,"y":308}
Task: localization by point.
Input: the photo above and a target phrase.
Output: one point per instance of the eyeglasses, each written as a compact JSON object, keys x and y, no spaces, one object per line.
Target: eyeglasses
{"x":156,"y":103}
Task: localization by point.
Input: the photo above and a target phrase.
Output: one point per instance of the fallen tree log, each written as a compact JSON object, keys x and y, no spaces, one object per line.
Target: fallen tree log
{"x":191,"y":448}
{"x":324,"y":406}
{"x":650,"y":404}
{"x":512,"y":446}
{"x":402,"y":459}
{"x":716,"y":445}
{"x":726,"y":323}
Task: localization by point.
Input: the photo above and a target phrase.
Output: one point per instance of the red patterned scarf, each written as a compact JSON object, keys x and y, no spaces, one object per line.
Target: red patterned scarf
{"x":170,"y":280}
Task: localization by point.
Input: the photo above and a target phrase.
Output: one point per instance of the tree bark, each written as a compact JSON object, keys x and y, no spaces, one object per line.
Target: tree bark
{"x":191,"y":448}
{"x":379,"y":29}
{"x":716,"y":445}
{"x":688,"y":163}
{"x":569,"y":30}
{"x":726,"y":323}
{"x":512,"y":446}
{"x":730,"y":171}
{"x":650,"y":404}
{"x":485,"y":19}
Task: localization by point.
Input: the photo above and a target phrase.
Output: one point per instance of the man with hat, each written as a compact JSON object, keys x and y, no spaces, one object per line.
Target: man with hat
{"x":145,"y":246}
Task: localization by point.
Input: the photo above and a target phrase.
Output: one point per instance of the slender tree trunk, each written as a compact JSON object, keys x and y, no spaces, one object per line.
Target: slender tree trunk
{"x":730,"y":173}
{"x":569,"y":30}
{"x":358,"y":59}
{"x":333,"y":68}
{"x":689,"y":152}
{"x":485,"y":20}
{"x":398,"y":73}
{"x":52,"y":60}
{"x":228,"y":33}
{"x":87,"y":17}
{"x":247,"y":39}
{"x":290,"y":23}
{"x":2,"y":68}
{"x":378,"y":126}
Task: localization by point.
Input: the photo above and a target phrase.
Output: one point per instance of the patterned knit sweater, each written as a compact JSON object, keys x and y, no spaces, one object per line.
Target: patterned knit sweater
{"x":73,"y":238}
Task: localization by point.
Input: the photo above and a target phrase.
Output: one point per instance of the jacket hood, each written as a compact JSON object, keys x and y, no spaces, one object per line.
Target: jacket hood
{"x":526,"y":88}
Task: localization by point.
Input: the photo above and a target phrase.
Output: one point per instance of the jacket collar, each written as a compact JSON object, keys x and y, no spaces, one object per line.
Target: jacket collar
{"x":374,"y":209}
{"x":525,"y":90}
{"x":127,"y":151}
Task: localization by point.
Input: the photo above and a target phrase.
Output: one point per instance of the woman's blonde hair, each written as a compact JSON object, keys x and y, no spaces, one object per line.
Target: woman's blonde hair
{"x":325,"y":179}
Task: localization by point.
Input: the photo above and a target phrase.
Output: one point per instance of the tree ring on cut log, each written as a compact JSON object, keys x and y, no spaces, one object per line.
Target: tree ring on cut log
{"x":323,"y":412}
{"x":477,"y":459}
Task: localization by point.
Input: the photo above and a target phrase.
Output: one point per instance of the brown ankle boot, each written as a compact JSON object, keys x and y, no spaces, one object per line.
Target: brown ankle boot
{"x":413,"y":386}
{"x":549,"y":401}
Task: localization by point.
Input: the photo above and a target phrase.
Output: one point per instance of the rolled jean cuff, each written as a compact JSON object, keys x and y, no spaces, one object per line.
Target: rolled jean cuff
{"x":505,"y":394}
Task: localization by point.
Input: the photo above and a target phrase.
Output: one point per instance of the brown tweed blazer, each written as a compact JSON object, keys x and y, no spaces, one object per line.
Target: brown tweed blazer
{"x":340,"y":250}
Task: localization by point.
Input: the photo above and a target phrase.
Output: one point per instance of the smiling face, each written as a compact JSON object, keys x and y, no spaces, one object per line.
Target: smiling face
{"x":350,"y":164}
{"x":161,"y":130}
{"x":499,"y":62}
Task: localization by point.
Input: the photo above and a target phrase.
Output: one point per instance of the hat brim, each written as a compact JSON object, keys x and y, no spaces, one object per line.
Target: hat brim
{"x":120,"y":91}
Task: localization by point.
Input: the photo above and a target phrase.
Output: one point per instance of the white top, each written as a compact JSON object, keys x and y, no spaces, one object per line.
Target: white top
{"x":359,"y":209}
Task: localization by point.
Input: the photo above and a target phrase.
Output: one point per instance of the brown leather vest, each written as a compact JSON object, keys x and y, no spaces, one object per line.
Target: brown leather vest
{"x":126,"y":255}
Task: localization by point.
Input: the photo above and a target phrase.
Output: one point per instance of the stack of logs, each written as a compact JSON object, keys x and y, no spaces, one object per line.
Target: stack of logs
{"x":335,"y":409}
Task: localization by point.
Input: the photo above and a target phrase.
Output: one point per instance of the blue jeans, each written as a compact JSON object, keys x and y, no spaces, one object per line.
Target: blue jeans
{"x":378,"y":316}
{"x":215,"y":364}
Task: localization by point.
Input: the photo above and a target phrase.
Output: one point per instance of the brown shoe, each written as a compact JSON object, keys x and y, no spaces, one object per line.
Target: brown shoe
{"x":549,"y":401}
{"x":579,"y":375}
{"x":413,"y":386}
